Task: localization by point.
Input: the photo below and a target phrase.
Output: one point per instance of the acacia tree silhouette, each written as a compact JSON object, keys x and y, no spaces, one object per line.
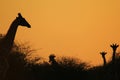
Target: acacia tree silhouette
{"x":6,"y":44}
{"x":103,"y":56}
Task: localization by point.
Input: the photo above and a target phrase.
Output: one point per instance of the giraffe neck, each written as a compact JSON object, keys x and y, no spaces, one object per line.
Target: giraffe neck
{"x":113,"y":56}
{"x":104,"y":59}
{"x":10,"y":36}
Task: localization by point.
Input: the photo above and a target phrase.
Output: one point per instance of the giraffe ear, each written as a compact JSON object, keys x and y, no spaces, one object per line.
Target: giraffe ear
{"x":19,"y":15}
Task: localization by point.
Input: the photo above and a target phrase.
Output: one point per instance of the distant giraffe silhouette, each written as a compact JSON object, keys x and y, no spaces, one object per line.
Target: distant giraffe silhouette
{"x":52,"y":60}
{"x":114,"y":47}
{"x":103,"y":56}
{"x":6,"y":43}
{"x":115,"y":72}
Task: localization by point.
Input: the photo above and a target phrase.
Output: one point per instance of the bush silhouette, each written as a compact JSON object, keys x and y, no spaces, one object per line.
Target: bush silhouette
{"x":18,"y":60}
{"x":67,"y":68}
{"x":57,"y":68}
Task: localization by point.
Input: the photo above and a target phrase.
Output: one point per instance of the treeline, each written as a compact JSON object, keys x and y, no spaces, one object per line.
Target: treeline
{"x":23,"y":67}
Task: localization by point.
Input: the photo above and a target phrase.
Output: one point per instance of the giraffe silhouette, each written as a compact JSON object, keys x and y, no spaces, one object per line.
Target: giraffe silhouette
{"x":6,"y":44}
{"x":103,"y":56}
{"x":114,"y":48}
{"x":52,"y":60}
{"x":115,"y":72}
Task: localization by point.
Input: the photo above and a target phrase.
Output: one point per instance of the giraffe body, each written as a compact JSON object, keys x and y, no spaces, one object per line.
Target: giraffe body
{"x":6,"y":44}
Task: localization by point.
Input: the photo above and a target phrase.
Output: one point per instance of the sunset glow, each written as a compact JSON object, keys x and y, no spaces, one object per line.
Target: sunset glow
{"x":77,"y":28}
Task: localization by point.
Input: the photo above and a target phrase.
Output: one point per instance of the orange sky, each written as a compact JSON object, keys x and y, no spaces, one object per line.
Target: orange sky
{"x":78,"y":28}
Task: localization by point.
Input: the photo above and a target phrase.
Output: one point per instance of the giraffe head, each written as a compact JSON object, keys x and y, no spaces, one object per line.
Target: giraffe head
{"x":114,"y":46}
{"x":103,"y":53}
{"x":52,"y":58}
{"x":22,"y":21}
